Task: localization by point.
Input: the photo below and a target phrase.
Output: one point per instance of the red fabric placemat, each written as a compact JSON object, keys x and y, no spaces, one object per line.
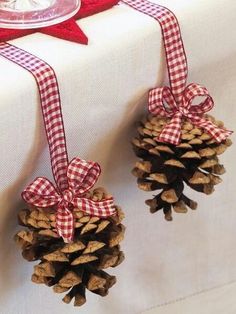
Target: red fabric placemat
{"x":90,"y":7}
{"x":68,"y":30}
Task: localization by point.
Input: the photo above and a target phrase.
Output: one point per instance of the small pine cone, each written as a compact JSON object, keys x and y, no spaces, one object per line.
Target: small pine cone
{"x":75,"y":266}
{"x":166,"y":167}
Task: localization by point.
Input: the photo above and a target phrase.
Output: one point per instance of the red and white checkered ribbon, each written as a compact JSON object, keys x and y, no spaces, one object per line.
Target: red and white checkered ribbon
{"x":176,"y":102}
{"x":162,"y":103}
{"x":81,"y":176}
{"x":50,"y":104}
{"x":174,"y":48}
{"x":72,"y":179}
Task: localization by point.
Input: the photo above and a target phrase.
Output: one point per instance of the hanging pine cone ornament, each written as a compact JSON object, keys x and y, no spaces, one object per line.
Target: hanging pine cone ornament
{"x":72,"y":232}
{"x":166,"y":167}
{"x":178,"y":144}
{"x":79,"y":265}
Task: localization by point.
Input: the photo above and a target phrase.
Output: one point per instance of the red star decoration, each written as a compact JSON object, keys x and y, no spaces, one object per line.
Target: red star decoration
{"x":68,"y":30}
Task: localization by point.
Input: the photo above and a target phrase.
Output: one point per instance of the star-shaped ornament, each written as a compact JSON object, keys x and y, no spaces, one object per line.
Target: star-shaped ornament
{"x":68,"y":30}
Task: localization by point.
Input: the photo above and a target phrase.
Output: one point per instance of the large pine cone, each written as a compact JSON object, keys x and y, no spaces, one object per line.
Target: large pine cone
{"x":167,"y":167}
{"x":78,"y":265}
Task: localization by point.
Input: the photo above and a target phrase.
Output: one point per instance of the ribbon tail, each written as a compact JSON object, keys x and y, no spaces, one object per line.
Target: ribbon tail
{"x":219,"y":134}
{"x":171,"y":133}
{"x":103,"y":208}
{"x":65,"y":223}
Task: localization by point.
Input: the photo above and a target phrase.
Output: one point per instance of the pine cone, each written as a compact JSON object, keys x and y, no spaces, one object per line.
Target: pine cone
{"x":166,"y":167}
{"x":78,"y":265}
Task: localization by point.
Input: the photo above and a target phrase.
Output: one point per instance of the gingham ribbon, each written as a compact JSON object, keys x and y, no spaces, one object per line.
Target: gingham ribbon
{"x":162,"y":103}
{"x":174,"y":48}
{"x":50,"y":104}
{"x":176,"y":101}
{"x":81,"y":176}
{"x":72,"y":179}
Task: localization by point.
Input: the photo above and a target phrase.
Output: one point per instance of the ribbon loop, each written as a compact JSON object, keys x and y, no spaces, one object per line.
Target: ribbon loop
{"x":171,"y":133}
{"x":82,"y":176}
{"x":162,"y":102}
{"x":41,"y":193}
{"x":193,"y":91}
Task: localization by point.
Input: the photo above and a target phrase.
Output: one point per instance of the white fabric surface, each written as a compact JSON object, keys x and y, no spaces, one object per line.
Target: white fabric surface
{"x":215,"y":301}
{"x":103,"y":90}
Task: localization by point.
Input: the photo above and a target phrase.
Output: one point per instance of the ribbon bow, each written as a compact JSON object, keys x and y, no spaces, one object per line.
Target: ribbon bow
{"x":82,"y":176}
{"x":162,"y":102}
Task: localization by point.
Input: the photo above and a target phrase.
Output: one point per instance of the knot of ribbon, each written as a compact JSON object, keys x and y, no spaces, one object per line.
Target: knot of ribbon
{"x":82,"y":176}
{"x":162,"y":103}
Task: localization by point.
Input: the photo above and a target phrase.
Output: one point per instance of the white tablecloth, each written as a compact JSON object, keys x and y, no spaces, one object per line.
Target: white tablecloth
{"x":103,"y":90}
{"x":215,"y":301}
